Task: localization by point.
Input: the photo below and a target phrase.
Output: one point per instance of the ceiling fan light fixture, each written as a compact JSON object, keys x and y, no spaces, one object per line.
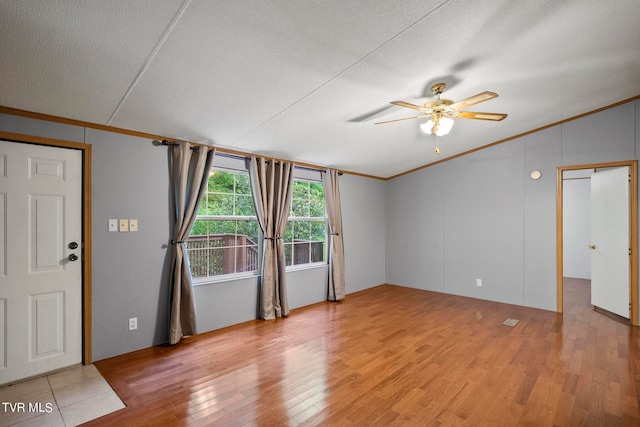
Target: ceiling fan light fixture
{"x":441,"y":126}
{"x":445,"y":126}
{"x":427,"y":127}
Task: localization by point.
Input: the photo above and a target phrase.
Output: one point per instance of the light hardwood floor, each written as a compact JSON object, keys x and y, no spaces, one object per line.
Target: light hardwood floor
{"x":392,"y":356}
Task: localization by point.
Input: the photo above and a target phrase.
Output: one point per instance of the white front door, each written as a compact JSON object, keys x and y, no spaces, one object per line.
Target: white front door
{"x":40,"y":271}
{"x":610,"y":269}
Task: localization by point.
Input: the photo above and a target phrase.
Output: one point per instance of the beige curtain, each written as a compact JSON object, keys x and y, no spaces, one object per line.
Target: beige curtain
{"x":190,"y":168}
{"x":271,"y":185}
{"x":336,"y":248}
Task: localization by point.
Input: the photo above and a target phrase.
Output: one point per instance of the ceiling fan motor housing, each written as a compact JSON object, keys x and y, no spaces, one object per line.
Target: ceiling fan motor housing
{"x":438,"y":88}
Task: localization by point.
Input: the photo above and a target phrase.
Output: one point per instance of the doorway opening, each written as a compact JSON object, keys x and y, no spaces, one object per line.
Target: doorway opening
{"x":565,"y":172}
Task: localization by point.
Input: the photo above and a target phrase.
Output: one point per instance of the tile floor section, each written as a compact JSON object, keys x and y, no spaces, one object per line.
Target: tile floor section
{"x":66,"y":398}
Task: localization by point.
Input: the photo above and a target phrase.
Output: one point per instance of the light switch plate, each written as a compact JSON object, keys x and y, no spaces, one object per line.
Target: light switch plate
{"x":113,"y":225}
{"x":124,"y":225}
{"x":133,"y":225}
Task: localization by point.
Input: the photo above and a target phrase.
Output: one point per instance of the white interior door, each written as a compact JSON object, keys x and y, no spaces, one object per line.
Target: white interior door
{"x":610,"y":244}
{"x":40,"y":280}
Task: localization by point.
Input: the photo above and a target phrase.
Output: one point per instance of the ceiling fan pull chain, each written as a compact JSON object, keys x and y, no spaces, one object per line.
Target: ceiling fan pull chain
{"x":437,"y":144}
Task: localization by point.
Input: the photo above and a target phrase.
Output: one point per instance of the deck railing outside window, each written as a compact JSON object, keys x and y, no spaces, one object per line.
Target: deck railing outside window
{"x":215,"y":254}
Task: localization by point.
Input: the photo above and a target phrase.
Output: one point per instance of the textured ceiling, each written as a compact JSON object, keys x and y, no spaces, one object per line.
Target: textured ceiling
{"x":306,"y":80}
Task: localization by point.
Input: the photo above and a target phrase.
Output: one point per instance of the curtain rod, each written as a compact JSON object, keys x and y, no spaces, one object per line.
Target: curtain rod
{"x":169,"y":143}
{"x":315,"y":169}
{"x":308,"y":168}
{"x":239,"y":157}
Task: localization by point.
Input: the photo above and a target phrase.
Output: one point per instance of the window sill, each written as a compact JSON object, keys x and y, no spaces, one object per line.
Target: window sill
{"x":306,"y":266}
{"x":228,"y":278}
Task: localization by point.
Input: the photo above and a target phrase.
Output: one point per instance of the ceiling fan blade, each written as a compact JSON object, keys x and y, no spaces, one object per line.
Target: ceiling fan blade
{"x":473,"y":100}
{"x":407,"y":105}
{"x":481,"y":116}
{"x":399,"y":120}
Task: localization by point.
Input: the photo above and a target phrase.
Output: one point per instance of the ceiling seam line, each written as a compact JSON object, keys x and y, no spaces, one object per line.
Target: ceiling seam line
{"x":150,"y":59}
{"x":343,"y":71}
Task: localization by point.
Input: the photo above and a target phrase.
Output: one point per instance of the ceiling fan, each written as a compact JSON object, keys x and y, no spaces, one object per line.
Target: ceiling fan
{"x":443,"y":111}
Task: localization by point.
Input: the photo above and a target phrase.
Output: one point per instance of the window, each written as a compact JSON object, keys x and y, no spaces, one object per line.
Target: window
{"x":305,"y":236}
{"x":224,"y":238}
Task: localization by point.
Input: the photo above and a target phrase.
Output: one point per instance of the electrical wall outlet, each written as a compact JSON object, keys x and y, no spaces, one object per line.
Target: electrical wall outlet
{"x":113,"y":225}
{"x":478,"y":282}
{"x":124,"y":225}
{"x":133,"y":225}
{"x":133,"y":323}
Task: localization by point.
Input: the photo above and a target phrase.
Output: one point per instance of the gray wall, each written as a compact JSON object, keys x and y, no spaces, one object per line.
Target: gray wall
{"x":481,"y":216}
{"x":363,"y":218}
{"x":130,"y":270}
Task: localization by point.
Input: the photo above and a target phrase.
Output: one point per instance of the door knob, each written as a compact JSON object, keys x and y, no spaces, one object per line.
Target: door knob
{"x":592,"y":246}
{"x":73,"y":257}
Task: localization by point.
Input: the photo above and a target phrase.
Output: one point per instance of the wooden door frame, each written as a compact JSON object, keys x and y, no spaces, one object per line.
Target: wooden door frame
{"x":633,"y":231}
{"x":86,"y":225}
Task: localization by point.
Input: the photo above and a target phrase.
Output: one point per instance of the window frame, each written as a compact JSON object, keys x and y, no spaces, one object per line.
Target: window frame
{"x":324,"y":219}
{"x":210,"y":278}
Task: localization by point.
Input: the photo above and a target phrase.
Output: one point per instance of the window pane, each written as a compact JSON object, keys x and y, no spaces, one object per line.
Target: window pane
{"x":197,"y":249}
{"x":316,"y":208}
{"x":242,"y":184}
{"x":300,"y":207}
{"x":247,"y":232}
{"x":301,"y":230}
{"x":317,"y":251}
{"x":318,"y":232}
{"x":221,"y":182}
{"x":301,"y":253}
{"x":244,"y":206}
{"x":199,"y":228}
{"x":316,"y":190}
{"x":198,"y":260}
{"x":300,"y":190}
{"x":287,"y":254}
{"x":223,"y":247}
{"x":246,"y":258}
{"x":288,"y":233}
{"x":221,"y":261}
{"x":222,"y":233}
{"x":220,"y":204}
{"x":308,"y":236}
{"x":202,"y":209}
